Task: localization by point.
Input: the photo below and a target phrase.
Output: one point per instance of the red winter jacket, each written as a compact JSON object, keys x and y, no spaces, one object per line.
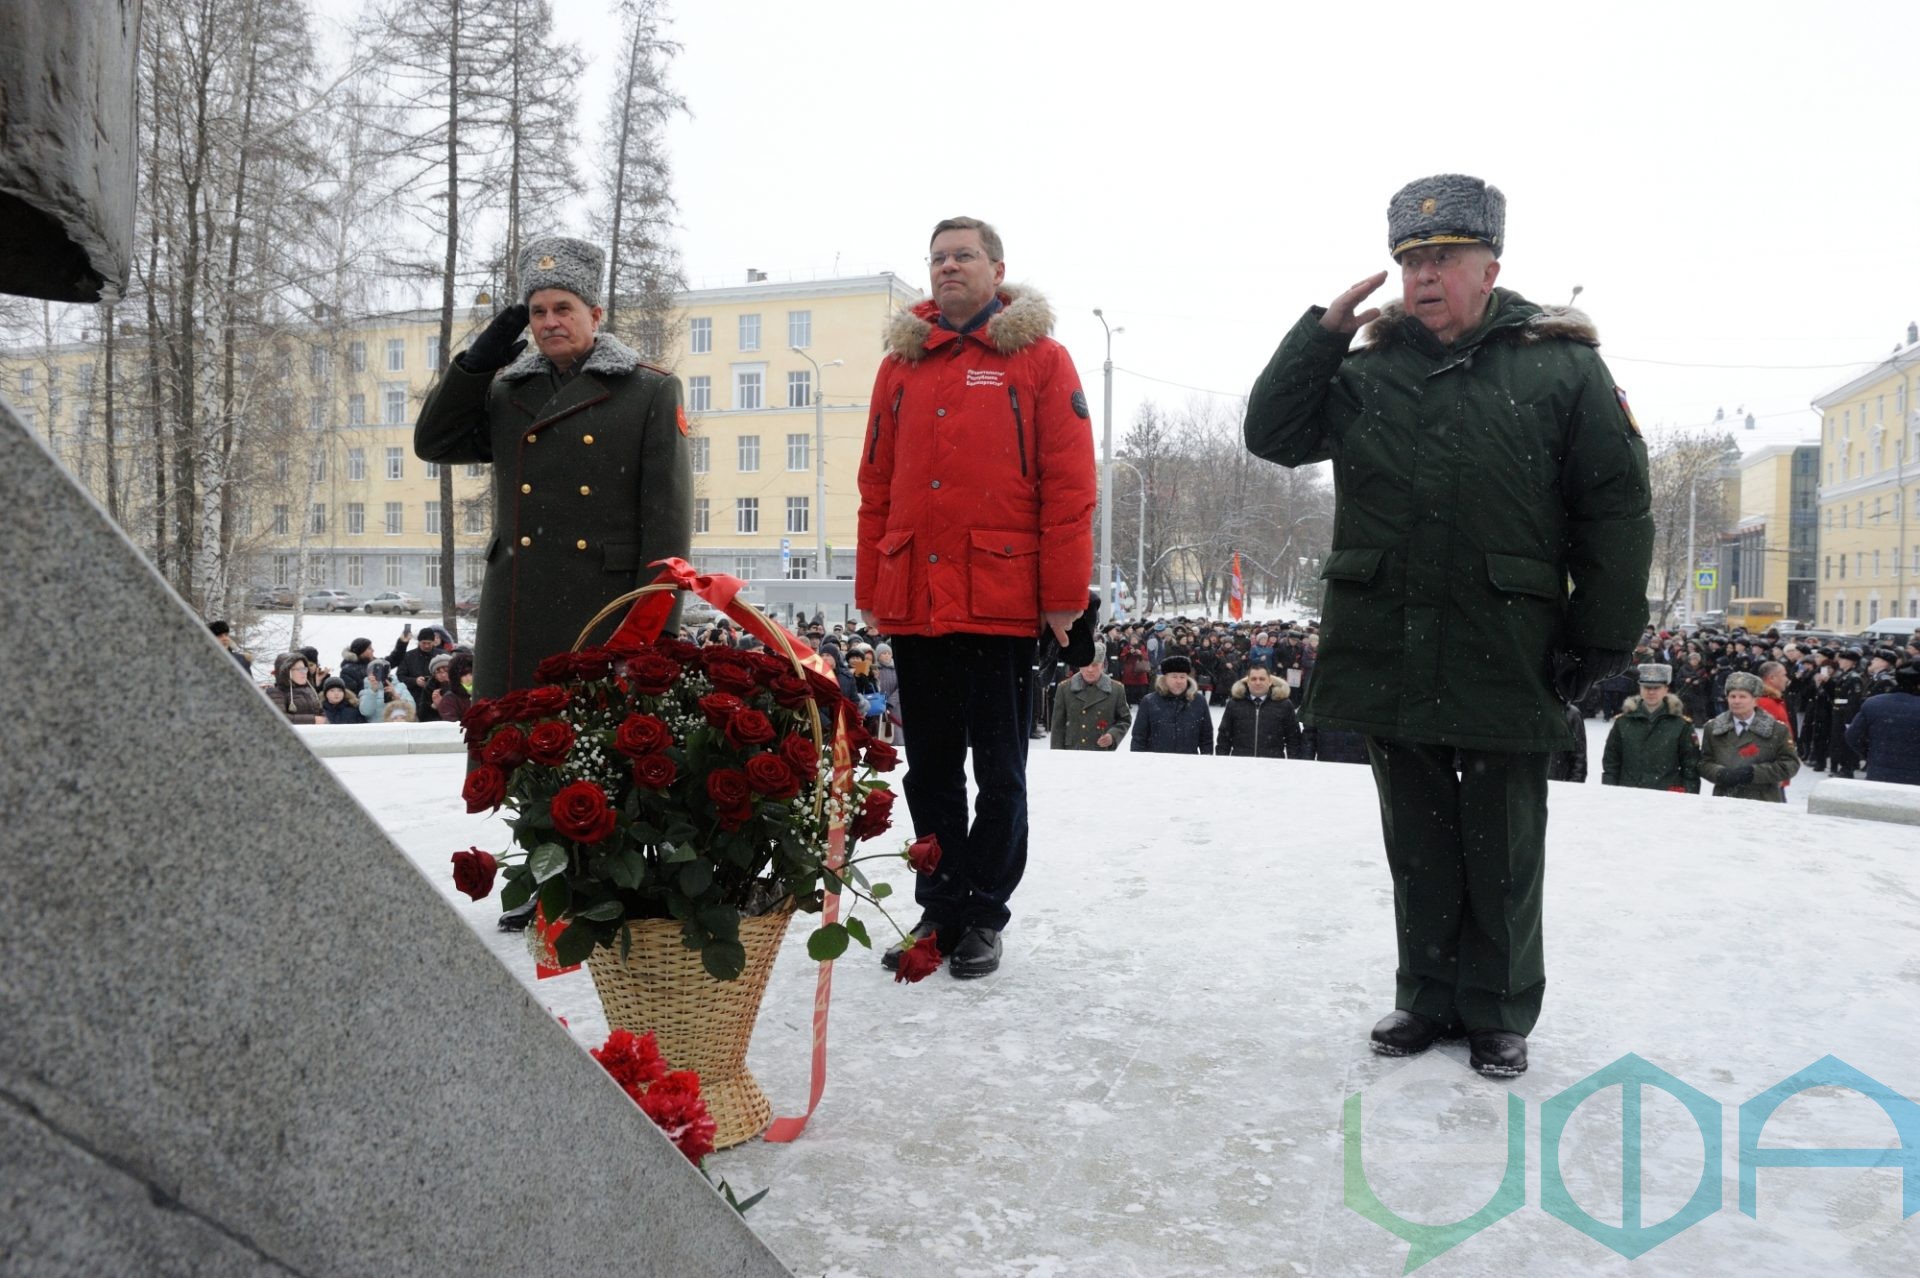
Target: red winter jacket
{"x":977,"y":483}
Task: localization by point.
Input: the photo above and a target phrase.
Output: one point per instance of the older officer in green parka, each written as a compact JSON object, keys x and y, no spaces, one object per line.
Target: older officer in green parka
{"x":592,"y":476}
{"x":1490,"y":550}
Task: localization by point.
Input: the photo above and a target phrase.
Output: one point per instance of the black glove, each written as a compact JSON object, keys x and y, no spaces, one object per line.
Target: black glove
{"x":1741,"y":774}
{"x":498,"y":344}
{"x":1574,"y":673}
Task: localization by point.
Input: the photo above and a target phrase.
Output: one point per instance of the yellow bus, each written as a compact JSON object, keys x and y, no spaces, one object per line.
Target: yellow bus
{"x":1754,"y":615}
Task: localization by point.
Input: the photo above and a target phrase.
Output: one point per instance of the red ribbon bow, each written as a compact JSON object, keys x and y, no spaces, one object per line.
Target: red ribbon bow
{"x":648,"y":615}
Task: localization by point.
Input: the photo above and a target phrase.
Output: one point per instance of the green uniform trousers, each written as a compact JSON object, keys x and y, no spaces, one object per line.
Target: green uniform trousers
{"x":1467,"y":849}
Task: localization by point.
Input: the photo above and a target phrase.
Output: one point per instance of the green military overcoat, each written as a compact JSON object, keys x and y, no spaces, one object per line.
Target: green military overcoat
{"x":1471,"y":483}
{"x":592,"y":482}
{"x":1652,"y":751}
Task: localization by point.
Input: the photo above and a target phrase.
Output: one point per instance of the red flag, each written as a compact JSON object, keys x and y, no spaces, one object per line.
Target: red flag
{"x":1237,"y":598}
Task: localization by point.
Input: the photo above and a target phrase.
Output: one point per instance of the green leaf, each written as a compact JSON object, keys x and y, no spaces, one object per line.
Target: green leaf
{"x":516,"y":893}
{"x":628,"y":869}
{"x":696,"y":877}
{"x":881,"y":891}
{"x":676,"y":853}
{"x":721,"y":920}
{"x":574,"y":945}
{"x":546,"y":861}
{"x":828,"y":942}
{"x":678,"y":832}
{"x":555,"y":897}
{"x":858,"y":930}
{"x":604,"y":912}
{"x":724,"y":960}
{"x":679,"y":906}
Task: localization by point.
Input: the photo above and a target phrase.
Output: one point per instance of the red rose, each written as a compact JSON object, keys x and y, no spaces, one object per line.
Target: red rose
{"x":473,"y":872}
{"x":481,"y":718}
{"x":507,"y":748}
{"x":485,"y":788}
{"x":728,"y":788}
{"x":651,"y":673}
{"x":654,"y":771}
{"x":541,"y":703}
{"x":720,"y":707}
{"x":881,"y":756}
{"x":580,"y":812}
{"x":826,"y":690}
{"x":1102,"y":725}
{"x":770,"y":775}
{"x":735,"y":817}
{"x":633,"y":1062}
{"x":680,"y":651}
{"x":875,"y":815}
{"x":676,"y":1108}
{"x":801,"y":754}
{"x":729,"y":673}
{"x":749,"y":728}
{"x":790,"y":691}
{"x":766,"y":665}
{"x":919,"y":961}
{"x":554,"y":669}
{"x":512,"y":708}
{"x":923,"y":854}
{"x":550,"y":742}
{"x":641,"y":734}
{"x":592,"y":664}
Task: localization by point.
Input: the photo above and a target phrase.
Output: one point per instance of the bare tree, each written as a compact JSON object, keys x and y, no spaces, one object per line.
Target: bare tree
{"x":1689,"y":473}
{"x":643,"y":267}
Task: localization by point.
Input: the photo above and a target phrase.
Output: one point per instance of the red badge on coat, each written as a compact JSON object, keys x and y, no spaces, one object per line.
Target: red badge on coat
{"x":1748,"y":750}
{"x":680,"y":417}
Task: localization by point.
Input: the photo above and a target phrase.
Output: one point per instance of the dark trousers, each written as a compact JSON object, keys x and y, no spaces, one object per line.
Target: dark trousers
{"x":958,"y":691}
{"x":1467,"y":850}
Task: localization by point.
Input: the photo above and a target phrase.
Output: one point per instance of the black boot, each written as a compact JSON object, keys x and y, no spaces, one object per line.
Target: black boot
{"x":1498,"y":1053}
{"x":977,"y":954}
{"x":1409,"y":1033}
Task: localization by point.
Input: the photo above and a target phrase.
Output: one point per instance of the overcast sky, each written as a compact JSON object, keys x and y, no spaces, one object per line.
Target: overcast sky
{"x":1734,"y":185}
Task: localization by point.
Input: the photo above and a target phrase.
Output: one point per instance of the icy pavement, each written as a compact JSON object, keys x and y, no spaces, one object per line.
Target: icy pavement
{"x":1157,"y":1081}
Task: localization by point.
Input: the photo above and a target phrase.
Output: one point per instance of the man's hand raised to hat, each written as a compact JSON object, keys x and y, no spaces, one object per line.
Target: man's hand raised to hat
{"x":499,"y":344}
{"x":1340,"y":317}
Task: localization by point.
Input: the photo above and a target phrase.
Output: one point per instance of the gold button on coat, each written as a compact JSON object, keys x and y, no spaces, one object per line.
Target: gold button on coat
{"x":526,"y":488}
{"x":580,"y":545}
{"x":586,"y":439}
{"x":526,"y":541}
{"x":584,"y":490}
{"x":533,"y":439}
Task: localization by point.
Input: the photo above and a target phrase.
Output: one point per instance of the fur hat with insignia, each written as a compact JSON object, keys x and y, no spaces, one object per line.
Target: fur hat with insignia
{"x":1447,"y":208}
{"x":558,"y":261}
{"x":1655,"y":673}
{"x":1741,"y":681}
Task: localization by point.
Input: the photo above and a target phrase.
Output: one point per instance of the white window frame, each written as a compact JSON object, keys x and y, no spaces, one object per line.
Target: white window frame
{"x":393,"y":403}
{"x":700,"y":394}
{"x":396,"y":354}
{"x":396,"y":463}
{"x":431,"y":518}
{"x":356,"y":464}
{"x":747,"y":376}
{"x":700,"y":336}
{"x":356,"y":521}
{"x":799,"y":329}
{"x":747,"y":454}
{"x":394,"y":518}
{"x":746,"y":516}
{"x":700,"y":454}
{"x":800,"y":380}
{"x":799,"y":511}
{"x":750,"y":332}
{"x":702,"y":516}
{"x":799,"y":450}
{"x":391,"y":574}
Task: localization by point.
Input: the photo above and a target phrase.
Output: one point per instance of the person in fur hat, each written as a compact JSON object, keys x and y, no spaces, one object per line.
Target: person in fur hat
{"x":1483,"y":459}
{"x":1174,"y":718}
{"x":1090,"y":710}
{"x":1746,"y":752}
{"x":975,"y":534}
{"x":1650,"y":745}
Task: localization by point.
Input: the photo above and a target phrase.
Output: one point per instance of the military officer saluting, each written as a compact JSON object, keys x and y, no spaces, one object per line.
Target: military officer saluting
{"x":1482,"y":458}
{"x":592,"y":479}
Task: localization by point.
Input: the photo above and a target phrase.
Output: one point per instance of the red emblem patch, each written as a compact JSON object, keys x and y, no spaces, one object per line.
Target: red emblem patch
{"x":680,"y":417}
{"x":1749,"y":750}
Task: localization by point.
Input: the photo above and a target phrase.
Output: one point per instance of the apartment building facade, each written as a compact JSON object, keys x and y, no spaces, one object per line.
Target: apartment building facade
{"x":1869,"y":504}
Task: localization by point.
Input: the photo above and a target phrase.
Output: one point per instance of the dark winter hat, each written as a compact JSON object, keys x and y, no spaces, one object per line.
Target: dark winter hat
{"x":1741,"y":681}
{"x":334,"y":681}
{"x":1848,"y":654}
{"x":440,"y":661}
{"x":1099,"y":653}
{"x":1447,"y":208}
{"x":359,"y":646}
{"x":219,"y":628}
{"x":558,"y":261}
{"x":1907,"y":679}
{"x":1654,"y":673}
{"x":1176,"y":665}
{"x":1887,"y":655}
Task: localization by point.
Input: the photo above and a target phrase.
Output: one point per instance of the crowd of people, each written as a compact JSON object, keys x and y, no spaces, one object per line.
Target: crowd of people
{"x":425,"y":678}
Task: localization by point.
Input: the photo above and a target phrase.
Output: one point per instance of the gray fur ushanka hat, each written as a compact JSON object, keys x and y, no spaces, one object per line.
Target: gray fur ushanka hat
{"x":558,"y":261}
{"x":1447,"y":208}
{"x":1741,"y":681}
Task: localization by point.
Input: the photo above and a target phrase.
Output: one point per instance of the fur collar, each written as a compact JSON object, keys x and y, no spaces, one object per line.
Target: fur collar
{"x":610,"y":356}
{"x":1276,"y":691}
{"x":1080,"y":683}
{"x":1528,"y":324}
{"x":1671,"y":704}
{"x":1024,"y":318}
{"x":1763,"y":724}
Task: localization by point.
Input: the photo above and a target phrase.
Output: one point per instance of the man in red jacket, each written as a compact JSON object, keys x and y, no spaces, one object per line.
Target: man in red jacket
{"x":977,"y":491}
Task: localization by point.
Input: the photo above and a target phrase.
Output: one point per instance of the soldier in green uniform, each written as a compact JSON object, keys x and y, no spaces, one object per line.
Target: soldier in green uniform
{"x":592,"y":478}
{"x":1491,"y":541}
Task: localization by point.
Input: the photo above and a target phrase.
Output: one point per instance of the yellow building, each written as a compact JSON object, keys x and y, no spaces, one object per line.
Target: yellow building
{"x":329,"y":479}
{"x":1870,"y":493}
{"x":1772,"y":549}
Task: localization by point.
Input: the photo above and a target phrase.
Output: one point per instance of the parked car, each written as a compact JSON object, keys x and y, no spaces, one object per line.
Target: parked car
{"x":394,"y":601}
{"x":329,"y":601}
{"x":1889,"y":632}
{"x":271,"y":597}
{"x":465,"y":605}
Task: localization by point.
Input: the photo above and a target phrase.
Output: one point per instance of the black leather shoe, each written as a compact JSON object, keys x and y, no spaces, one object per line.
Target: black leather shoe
{"x":517,"y":919}
{"x":890,"y":957}
{"x":1498,"y":1053}
{"x":1409,"y":1033}
{"x":977,"y":954}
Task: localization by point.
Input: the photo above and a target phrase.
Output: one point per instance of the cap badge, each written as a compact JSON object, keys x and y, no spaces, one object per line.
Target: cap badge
{"x":546,"y":263}
{"x":1428,"y":205}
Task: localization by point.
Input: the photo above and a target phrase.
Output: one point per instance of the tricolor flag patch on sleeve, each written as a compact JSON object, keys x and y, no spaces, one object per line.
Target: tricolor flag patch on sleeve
{"x":1621,"y":395}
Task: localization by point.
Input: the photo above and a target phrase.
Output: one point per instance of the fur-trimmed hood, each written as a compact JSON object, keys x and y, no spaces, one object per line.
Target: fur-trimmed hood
{"x":1276,"y":691}
{"x":1670,"y":703}
{"x":1517,"y":320}
{"x":610,"y":357}
{"x":1023,"y":319}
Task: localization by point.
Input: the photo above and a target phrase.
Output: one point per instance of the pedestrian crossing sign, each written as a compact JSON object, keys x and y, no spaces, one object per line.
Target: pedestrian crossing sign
{"x":1706,"y":578}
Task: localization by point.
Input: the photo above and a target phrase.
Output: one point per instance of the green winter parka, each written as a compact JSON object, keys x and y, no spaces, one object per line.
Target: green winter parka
{"x":1651,"y":750}
{"x":1471,"y":483}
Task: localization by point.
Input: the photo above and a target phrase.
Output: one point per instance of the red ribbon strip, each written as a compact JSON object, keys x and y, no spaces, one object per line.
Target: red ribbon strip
{"x":782,"y":1130}
{"x":648,"y":615}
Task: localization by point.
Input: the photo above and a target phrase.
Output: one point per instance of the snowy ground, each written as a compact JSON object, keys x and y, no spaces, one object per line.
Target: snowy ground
{"x":1154,"y":1083}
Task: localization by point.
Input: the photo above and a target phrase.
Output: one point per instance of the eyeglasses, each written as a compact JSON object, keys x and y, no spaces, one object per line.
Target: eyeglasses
{"x":960,"y":257}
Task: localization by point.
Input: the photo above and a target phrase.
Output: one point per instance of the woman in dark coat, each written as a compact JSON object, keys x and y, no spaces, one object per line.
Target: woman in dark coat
{"x":1174,"y":718}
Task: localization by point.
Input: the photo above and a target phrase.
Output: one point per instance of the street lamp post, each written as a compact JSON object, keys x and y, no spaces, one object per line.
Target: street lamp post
{"x":1140,"y":542}
{"x":1106,"y":479}
{"x":819,"y":458}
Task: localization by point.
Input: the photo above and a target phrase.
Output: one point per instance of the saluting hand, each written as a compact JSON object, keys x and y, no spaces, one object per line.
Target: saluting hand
{"x":1340,"y":317}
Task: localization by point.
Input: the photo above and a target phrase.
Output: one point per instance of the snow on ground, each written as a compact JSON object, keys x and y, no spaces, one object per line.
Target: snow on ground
{"x":1154,"y":1083}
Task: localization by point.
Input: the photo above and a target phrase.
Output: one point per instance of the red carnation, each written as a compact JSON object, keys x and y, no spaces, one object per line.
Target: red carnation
{"x":633,"y":1062}
{"x":507,"y":748}
{"x":654,"y":771}
{"x":540,"y":703}
{"x":549,"y":742}
{"x":720,"y":707}
{"x":729,"y":673}
{"x":580,"y":812}
{"x":801,"y":754}
{"x":790,"y":691}
{"x":923,"y":854}
{"x":641,"y":734}
{"x":676,"y":1107}
{"x":554,"y":669}
{"x":486,"y":787}
{"x":473,"y":872}
{"x":749,"y":728}
{"x":728,"y":788}
{"x":919,"y":961}
{"x":770,"y":775}
{"x":881,"y":756}
{"x":650,"y":673}
{"x":875,"y":815}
